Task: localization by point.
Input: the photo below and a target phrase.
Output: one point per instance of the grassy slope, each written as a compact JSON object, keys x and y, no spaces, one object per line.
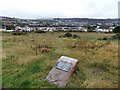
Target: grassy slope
{"x":23,"y":68}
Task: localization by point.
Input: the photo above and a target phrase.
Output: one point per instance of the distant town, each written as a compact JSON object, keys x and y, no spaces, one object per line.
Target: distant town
{"x":9,"y":24}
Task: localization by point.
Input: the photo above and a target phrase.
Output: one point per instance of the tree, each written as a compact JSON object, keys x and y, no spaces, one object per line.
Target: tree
{"x":10,"y":27}
{"x":116,"y":29}
{"x":91,"y":28}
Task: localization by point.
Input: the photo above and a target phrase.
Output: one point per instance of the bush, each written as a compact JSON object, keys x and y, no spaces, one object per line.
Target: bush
{"x":114,"y":37}
{"x":104,"y":38}
{"x":117,"y":36}
{"x":68,"y":35}
{"x":19,"y":33}
{"x":76,"y":36}
{"x":60,"y":36}
{"x":10,"y":27}
{"x":117,"y":29}
{"x":99,"y":38}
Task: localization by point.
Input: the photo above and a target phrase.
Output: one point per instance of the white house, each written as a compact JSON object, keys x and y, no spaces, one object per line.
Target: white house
{"x":103,"y":29}
{"x":18,"y":28}
{"x":26,"y":28}
{"x":5,"y":30}
{"x":85,"y":29}
{"x":111,"y":29}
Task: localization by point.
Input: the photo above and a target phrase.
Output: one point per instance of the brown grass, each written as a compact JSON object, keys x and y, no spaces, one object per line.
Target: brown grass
{"x":98,"y":83}
{"x":92,"y":54}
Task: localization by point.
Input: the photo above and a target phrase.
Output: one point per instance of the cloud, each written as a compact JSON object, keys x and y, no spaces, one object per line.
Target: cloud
{"x":59,"y":8}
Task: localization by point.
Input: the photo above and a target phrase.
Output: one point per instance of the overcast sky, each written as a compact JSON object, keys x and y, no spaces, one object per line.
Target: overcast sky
{"x":59,"y":8}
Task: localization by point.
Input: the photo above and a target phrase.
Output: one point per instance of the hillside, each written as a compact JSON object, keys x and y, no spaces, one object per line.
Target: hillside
{"x":24,"y":65}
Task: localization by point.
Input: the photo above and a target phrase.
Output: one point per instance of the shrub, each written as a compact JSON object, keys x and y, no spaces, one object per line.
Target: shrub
{"x":76,"y":36}
{"x":99,"y":38}
{"x":45,"y":50}
{"x":19,"y":33}
{"x":39,"y":31}
{"x":117,"y":29}
{"x":104,"y":38}
{"x":68,"y":35}
{"x":114,"y":37}
{"x":10,"y":27}
{"x":117,"y":36}
{"x":60,"y":36}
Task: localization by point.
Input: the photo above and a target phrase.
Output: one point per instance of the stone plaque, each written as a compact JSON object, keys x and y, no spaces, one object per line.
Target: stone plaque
{"x":61,"y":72}
{"x":65,"y":66}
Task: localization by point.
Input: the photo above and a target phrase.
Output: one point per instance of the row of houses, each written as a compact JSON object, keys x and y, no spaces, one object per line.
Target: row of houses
{"x":50,"y":28}
{"x":66,"y":28}
{"x":104,"y":29}
{"x":62,"y":28}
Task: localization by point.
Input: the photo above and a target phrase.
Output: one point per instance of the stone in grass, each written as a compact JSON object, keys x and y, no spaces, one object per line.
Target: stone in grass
{"x":61,"y":72}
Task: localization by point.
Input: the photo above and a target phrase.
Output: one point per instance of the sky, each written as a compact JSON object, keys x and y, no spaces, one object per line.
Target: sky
{"x":37,"y":9}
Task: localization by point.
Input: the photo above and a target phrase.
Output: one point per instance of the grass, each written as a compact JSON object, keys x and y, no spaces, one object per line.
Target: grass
{"x":23,"y":68}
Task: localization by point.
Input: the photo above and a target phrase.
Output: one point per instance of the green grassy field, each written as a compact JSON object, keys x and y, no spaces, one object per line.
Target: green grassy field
{"x":24,"y":66}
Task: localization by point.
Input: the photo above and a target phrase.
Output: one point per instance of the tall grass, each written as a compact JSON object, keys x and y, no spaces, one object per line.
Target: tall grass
{"x":22,"y":67}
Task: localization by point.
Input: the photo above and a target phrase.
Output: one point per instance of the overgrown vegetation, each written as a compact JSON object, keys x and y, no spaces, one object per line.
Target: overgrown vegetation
{"x":19,"y":33}
{"x":116,"y":29}
{"x":70,"y":35}
{"x":10,"y":27}
{"x":27,"y":59}
{"x":114,"y":37}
